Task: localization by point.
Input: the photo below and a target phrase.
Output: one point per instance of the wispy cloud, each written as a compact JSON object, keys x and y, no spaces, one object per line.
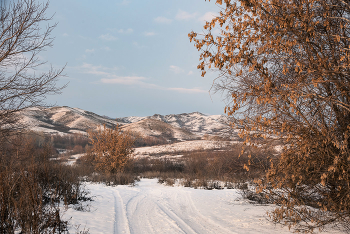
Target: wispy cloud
{"x":149,"y":34}
{"x":126,"y":80}
{"x":190,"y":73}
{"x":183,"y":15}
{"x":208,"y":16}
{"x":90,"y":50}
{"x":184,"y":90}
{"x":109,"y":76}
{"x":125,"y":31}
{"x":65,"y":34}
{"x":106,"y":48}
{"x":137,"y":45}
{"x":107,"y":37}
{"x":176,"y":69}
{"x":84,"y":38}
{"x":163,"y":20}
{"x":97,"y":70}
{"x":124,"y":2}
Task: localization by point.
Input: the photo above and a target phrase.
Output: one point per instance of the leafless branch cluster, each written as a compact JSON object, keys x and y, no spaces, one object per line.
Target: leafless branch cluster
{"x":22,"y":82}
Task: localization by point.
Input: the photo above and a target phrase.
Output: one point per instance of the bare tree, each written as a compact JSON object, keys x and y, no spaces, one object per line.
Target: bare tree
{"x":22,"y":83}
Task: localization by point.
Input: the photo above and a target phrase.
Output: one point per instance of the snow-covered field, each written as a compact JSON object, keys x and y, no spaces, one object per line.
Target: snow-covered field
{"x":150,"y":207}
{"x":185,"y":146}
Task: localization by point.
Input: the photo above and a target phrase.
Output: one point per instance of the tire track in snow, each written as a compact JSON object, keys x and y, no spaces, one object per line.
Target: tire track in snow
{"x":179,"y":221}
{"x":133,"y":204}
{"x":145,"y":216}
{"x":176,"y":210}
{"x":207,"y":222}
{"x":121,"y":222}
{"x":180,"y":204}
{"x":140,"y":221}
{"x":134,"y":211}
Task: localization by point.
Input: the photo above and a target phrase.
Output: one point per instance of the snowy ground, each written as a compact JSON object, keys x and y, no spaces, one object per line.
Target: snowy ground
{"x":150,"y":207}
{"x":73,"y":158}
{"x":174,"y":150}
{"x":185,"y":146}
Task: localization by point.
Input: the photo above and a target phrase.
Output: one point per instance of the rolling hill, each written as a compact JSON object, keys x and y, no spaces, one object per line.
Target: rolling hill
{"x":67,"y":120}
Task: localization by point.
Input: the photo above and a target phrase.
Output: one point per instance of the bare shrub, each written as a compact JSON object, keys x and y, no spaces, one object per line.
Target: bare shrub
{"x":73,"y":144}
{"x":167,"y":181}
{"x":120,"y":178}
{"x":230,"y":163}
{"x":141,"y":141}
{"x":32,"y":186}
{"x":209,"y":169}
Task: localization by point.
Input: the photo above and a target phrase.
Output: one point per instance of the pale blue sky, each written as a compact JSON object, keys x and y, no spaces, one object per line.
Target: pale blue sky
{"x":131,"y":57}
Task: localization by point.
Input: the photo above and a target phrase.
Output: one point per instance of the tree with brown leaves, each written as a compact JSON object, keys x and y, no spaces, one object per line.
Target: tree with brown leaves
{"x":111,"y":149}
{"x":285,"y":66}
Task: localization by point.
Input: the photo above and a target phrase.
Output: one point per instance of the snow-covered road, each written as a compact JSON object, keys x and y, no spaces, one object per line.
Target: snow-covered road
{"x":150,"y":207}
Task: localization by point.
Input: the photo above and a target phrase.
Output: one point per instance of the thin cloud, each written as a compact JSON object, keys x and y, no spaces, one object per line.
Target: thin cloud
{"x":184,"y":90}
{"x":190,"y":73}
{"x":208,"y":16}
{"x":65,"y":34}
{"x":97,"y":70}
{"x":149,"y":34}
{"x":125,"y":2}
{"x":126,"y":80}
{"x":82,"y":57}
{"x":107,"y":37}
{"x":106,"y":48}
{"x":125,"y":31}
{"x":109,"y":76}
{"x":90,"y":50}
{"x":183,"y":15}
{"x":84,"y":38}
{"x":176,"y":69}
{"x":163,"y":20}
{"x":137,"y":45}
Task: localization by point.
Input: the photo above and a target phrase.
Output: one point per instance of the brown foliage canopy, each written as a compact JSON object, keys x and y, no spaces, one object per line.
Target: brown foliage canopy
{"x":285,"y":65}
{"x":110,"y":149}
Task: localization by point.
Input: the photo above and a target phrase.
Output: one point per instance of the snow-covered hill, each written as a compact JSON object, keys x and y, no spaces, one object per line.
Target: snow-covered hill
{"x":158,"y":128}
{"x":63,"y":120}
{"x":67,"y":120}
{"x":195,"y":122}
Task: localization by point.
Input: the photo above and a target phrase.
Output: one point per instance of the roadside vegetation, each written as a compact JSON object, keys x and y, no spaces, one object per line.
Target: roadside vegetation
{"x":33,"y":187}
{"x":284,"y":66}
{"x":198,"y":169}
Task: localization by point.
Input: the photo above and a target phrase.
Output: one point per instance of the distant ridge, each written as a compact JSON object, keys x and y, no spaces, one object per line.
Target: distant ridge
{"x":68,"y":120}
{"x":158,"y":128}
{"x":63,"y":120}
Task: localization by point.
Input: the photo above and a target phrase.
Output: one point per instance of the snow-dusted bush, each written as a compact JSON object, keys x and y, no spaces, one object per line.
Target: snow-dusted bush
{"x":32,"y":186}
